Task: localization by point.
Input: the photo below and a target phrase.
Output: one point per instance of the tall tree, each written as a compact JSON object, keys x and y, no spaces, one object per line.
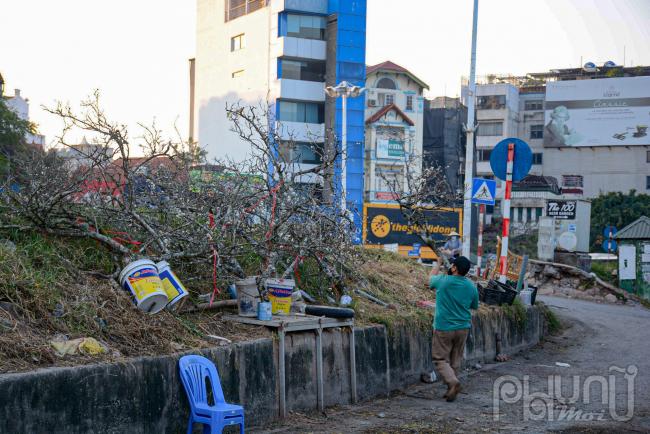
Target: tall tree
{"x":617,"y":209}
{"x":13,"y":130}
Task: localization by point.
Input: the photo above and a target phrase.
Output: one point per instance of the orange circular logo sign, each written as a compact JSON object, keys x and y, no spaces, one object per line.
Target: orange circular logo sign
{"x":380,"y":226}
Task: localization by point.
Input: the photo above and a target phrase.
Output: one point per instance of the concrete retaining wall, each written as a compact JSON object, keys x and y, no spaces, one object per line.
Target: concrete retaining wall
{"x":145,"y":395}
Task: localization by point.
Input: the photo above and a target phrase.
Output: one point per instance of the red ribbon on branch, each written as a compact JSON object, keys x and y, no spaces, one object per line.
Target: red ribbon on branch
{"x":127,"y":240}
{"x":296,"y":270}
{"x":273,"y":193}
{"x":215,"y":258}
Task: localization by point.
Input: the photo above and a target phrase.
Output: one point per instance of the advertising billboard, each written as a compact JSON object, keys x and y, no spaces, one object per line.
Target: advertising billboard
{"x":601,"y":112}
{"x":384,"y":224}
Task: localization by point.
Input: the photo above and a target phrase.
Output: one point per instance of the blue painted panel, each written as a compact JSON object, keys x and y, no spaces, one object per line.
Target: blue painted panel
{"x":357,"y":7}
{"x":282,"y":24}
{"x":355,"y":38}
{"x":355,"y":105}
{"x":354,"y":74}
{"x":355,"y":182}
{"x":347,"y":37}
{"x":354,"y":151}
{"x":351,"y":52}
{"x":352,"y":22}
{"x":357,"y":171}
{"x":351,"y":58}
{"x":355,"y":118}
{"x":355,"y":132}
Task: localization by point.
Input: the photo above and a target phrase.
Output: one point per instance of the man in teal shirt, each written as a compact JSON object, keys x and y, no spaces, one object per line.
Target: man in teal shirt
{"x":455,"y":296}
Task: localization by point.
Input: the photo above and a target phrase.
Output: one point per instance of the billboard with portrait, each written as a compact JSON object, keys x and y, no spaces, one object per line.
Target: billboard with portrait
{"x":599,"y":112}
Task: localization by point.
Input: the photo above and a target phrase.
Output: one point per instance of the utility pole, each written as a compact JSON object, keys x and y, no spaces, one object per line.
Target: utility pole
{"x":469,"y":151}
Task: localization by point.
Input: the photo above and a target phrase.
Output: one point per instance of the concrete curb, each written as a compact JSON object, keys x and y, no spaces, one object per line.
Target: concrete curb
{"x":145,"y":395}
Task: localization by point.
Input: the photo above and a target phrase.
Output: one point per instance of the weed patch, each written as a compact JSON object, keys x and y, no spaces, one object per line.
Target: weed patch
{"x":554,"y":324}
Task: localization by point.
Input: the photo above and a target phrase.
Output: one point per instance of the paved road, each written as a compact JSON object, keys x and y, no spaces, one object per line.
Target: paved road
{"x":596,"y":337}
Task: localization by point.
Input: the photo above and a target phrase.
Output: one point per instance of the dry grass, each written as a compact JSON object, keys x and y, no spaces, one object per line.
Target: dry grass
{"x":43,"y":295}
{"x":396,"y":280}
{"x":42,"y":298}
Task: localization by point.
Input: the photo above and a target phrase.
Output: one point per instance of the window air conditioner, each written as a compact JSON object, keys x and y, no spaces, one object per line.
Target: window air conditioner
{"x":372,"y":102}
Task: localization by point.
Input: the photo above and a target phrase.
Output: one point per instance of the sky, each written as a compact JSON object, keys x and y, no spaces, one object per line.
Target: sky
{"x":136,"y":52}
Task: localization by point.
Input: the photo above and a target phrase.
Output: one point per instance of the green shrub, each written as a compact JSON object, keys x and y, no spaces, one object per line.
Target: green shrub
{"x":554,"y":324}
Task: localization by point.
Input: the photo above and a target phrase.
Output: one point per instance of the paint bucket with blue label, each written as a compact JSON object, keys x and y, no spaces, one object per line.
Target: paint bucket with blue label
{"x":142,"y":280}
{"x":264,"y":311}
{"x":280,"y":291}
{"x":171,"y":284}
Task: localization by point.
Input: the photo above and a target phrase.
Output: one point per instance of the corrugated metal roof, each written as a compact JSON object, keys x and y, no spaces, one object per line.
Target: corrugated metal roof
{"x":639,"y":229}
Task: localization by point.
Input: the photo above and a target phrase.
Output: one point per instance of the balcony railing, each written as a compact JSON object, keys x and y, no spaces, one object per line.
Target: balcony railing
{"x":239,"y":8}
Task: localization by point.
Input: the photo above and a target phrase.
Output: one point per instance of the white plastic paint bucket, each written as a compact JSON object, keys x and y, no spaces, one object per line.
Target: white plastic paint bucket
{"x":171,"y":284}
{"x":526,"y":296}
{"x":280,"y":291}
{"x":248,"y":296}
{"x":141,"y":279}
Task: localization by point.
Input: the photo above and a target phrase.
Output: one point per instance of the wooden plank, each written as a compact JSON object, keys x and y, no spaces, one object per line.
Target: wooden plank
{"x":293,"y":323}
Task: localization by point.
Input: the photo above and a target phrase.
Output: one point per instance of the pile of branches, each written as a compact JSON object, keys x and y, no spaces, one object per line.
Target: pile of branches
{"x":252,"y":217}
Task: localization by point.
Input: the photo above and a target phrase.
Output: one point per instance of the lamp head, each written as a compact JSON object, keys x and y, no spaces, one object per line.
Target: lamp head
{"x":332,"y":92}
{"x":344,"y":89}
{"x":356,"y":91}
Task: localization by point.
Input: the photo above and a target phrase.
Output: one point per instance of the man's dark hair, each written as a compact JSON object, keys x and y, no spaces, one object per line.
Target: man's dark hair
{"x":462,"y":265}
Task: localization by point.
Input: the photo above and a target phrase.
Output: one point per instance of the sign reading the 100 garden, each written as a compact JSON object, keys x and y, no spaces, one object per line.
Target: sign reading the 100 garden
{"x":561,"y":209}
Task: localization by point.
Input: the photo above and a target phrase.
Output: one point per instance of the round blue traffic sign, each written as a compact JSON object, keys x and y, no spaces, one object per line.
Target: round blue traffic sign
{"x":607,"y":230}
{"x":523,"y":159}
{"x":609,"y":245}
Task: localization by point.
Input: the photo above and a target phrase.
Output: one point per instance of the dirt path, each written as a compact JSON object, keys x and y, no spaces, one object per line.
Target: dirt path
{"x":597,"y":337}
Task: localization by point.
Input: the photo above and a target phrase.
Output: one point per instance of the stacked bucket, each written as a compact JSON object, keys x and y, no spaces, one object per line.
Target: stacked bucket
{"x":154,"y":285}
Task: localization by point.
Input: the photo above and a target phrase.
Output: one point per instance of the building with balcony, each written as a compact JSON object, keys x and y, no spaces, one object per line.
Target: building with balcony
{"x":280,"y":55}
{"x":519,"y":106}
{"x":394,"y":130}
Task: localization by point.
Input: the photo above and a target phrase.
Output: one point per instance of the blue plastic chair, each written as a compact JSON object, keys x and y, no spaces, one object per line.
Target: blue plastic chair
{"x":194,"y":372}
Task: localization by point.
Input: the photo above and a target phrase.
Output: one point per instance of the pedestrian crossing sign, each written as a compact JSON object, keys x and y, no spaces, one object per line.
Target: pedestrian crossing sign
{"x":484,"y":191}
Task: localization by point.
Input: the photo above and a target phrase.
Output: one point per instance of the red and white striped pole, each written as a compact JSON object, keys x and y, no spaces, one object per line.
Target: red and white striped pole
{"x":479,"y":249}
{"x":609,"y":243}
{"x":503,"y":261}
